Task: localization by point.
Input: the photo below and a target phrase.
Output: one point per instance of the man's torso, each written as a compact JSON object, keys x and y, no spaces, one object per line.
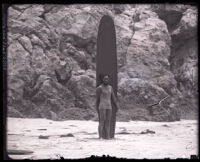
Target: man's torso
{"x":105,"y":97}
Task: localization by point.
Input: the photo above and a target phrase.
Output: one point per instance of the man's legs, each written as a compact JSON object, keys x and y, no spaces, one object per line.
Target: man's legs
{"x":102,"y":117}
{"x":107,"y":122}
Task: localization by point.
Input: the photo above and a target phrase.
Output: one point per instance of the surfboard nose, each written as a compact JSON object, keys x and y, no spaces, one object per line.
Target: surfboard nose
{"x":106,"y":20}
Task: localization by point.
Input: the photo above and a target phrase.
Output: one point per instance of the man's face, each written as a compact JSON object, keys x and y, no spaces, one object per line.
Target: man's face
{"x":106,"y":80}
{"x":62,"y":62}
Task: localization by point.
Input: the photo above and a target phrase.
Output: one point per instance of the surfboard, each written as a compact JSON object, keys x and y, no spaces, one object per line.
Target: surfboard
{"x":106,"y":60}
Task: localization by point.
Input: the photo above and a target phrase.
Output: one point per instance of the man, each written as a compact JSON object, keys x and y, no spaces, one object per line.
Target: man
{"x":105,"y":95}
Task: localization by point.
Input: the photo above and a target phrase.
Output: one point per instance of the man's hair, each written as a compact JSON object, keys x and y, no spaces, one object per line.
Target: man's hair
{"x":106,"y":75}
{"x":101,"y":76}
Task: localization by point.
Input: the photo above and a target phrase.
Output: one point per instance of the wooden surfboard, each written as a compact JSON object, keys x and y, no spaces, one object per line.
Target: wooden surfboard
{"x":106,"y":59}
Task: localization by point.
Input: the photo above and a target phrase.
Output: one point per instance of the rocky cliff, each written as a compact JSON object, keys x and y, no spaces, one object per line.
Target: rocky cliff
{"x":51,"y":61}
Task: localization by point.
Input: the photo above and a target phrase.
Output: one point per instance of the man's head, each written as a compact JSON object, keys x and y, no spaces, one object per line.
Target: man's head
{"x":106,"y":79}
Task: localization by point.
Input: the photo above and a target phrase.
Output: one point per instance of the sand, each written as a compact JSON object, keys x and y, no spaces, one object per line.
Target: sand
{"x":170,"y":140}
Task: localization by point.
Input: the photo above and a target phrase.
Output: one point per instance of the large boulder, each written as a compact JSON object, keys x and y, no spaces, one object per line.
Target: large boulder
{"x":83,"y":88}
{"x":141,"y":99}
{"x":184,"y":61}
{"x":186,"y":28}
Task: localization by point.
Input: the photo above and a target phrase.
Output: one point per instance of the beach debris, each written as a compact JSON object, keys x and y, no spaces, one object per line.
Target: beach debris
{"x":42,"y":129}
{"x":67,"y":135}
{"x":43,"y":137}
{"x":19,"y":152}
{"x":147,"y":131}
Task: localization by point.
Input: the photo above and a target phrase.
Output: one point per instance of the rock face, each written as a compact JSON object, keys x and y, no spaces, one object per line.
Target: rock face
{"x":52,"y":52}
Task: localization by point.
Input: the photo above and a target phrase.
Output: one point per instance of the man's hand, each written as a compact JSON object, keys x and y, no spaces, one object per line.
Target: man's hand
{"x":117,"y":107}
{"x":97,"y":110}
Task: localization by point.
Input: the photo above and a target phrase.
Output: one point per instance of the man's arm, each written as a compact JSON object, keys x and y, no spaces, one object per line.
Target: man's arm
{"x":98,"y":94}
{"x":113,"y":98}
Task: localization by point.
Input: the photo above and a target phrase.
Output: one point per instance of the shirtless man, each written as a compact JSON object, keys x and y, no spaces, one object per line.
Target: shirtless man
{"x":105,"y":94}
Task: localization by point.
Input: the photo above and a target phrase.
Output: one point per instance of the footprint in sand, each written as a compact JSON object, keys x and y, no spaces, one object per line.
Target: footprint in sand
{"x":122,"y":128}
{"x":73,"y":125}
{"x":165,"y":125}
{"x":123,"y":132}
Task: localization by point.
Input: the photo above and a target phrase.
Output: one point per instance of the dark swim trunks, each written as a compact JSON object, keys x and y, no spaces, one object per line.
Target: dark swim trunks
{"x":105,"y":114}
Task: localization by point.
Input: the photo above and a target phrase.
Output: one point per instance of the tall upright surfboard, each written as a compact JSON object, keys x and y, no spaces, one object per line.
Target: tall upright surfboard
{"x":106,"y":60}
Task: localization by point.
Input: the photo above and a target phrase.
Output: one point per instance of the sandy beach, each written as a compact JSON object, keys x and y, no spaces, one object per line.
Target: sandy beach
{"x":75,"y":139}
